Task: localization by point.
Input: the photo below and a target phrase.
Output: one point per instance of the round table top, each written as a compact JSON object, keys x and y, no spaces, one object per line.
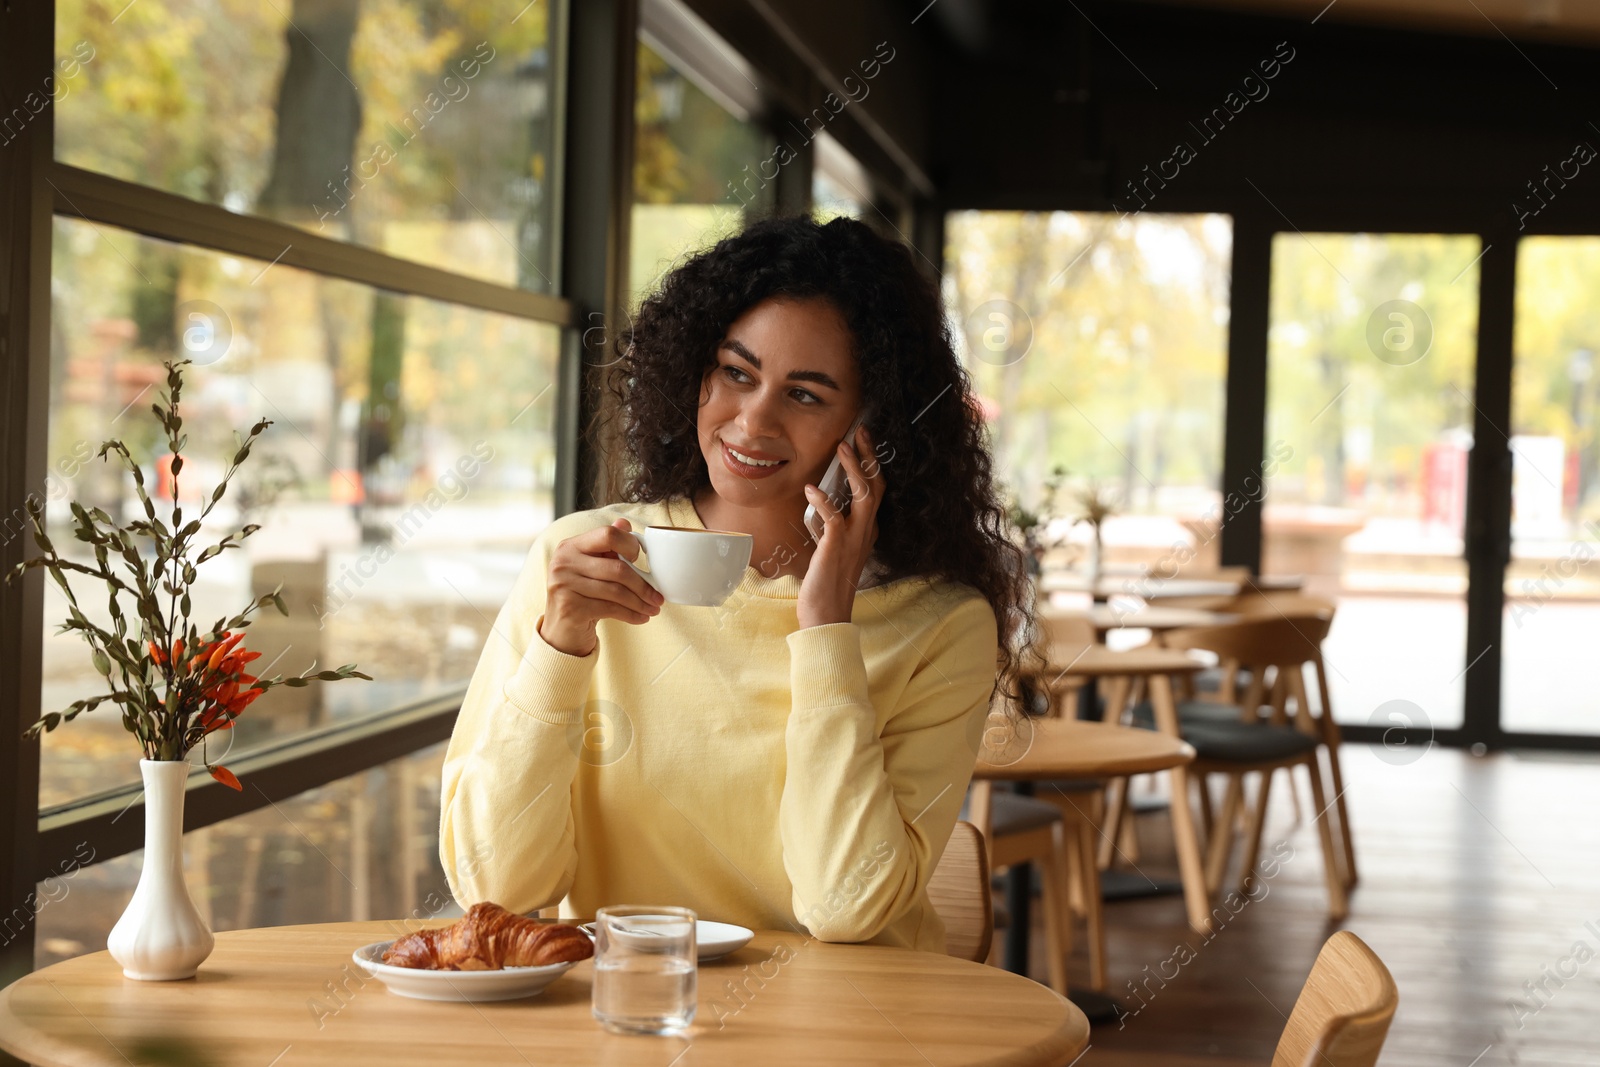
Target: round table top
{"x":293,"y":993}
{"x":1155,"y":588}
{"x":1098,"y":661}
{"x":1074,"y":748}
{"x":1104,"y":617}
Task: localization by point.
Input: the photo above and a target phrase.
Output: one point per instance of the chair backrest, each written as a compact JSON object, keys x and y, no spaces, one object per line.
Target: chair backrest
{"x":1268,"y":640}
{"x":1291,"y":603}
{"x":959,"y":893}
{"x":1066,"y":629}
{"x":1343,"y":1013}
{"x":1275,"y":649}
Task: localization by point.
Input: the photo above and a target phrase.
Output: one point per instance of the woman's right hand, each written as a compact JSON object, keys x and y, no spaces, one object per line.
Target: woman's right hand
{"x":589,"y":582}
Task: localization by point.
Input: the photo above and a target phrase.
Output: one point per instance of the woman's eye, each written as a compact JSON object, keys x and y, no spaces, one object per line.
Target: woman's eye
{"x":734,"y":373}
{"x":804,"y":397}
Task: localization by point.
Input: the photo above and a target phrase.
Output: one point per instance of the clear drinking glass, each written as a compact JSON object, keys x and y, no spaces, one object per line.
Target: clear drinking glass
{"x":644,"y":969}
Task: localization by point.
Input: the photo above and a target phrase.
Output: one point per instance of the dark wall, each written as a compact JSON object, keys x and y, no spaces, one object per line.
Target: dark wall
{"x":1397,"y":129}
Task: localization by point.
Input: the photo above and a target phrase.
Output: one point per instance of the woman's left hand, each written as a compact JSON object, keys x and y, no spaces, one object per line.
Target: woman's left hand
{"x":828,"y":591}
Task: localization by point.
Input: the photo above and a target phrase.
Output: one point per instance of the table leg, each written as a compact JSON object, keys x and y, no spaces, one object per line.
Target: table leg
{"x":1187,"y":842}
{"x":1019,"y":902}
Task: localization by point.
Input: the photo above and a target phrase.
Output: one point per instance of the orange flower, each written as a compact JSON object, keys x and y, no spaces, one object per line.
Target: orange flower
{"x":156,"y":656}
{"x":243,"y":700}
{"x":226,"y":777}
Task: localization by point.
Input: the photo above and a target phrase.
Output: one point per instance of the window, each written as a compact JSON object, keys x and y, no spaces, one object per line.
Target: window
{"x":1099,"y":346}
{"x":423,"y":130}
{"x":412,"y":455}
{"x":1554,"y":578}
{"x":839,"y":184}
{"x":410,"y":463}
{"x":1372,"y":346}
{"x":700,"y":161}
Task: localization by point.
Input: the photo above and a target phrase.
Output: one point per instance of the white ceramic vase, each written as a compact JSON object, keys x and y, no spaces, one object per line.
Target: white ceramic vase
{"x":161,"y":936}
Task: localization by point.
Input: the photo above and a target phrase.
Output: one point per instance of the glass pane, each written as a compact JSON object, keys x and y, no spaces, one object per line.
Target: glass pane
{"x":408,"y":468}
{"x":697,"y":169}
{"x":1098,"y":347}
{"x":1371,"y":350}
{"x":420,"y":128}
{"x":839,"y":184}
{"x":1554,"y":580}
{"x":363,"y":847}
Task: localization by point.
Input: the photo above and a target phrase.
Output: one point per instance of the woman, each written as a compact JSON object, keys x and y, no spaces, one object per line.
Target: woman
{"x":797,"y":757}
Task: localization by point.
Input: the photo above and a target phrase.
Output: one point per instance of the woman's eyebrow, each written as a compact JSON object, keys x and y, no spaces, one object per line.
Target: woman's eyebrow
{"x":738,"y":348}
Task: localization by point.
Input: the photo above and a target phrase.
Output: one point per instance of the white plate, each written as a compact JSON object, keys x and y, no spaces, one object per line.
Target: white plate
{"x":508,"y":983}
{"x":712,"y":941}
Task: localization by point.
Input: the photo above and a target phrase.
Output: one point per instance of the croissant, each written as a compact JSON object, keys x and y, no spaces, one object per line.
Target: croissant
{"x":487,"y":938}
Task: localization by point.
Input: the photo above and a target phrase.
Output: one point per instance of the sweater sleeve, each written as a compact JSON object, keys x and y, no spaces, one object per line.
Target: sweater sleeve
{"x":505,"y":811}
{"x":865,"y":814}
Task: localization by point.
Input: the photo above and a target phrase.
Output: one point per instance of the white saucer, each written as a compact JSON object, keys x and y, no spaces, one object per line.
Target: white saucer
{"x":508,"y":983}
{"x":712,"y":940}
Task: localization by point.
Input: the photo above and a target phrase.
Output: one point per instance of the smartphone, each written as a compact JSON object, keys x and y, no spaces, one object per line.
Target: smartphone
{"x":835,"y":483}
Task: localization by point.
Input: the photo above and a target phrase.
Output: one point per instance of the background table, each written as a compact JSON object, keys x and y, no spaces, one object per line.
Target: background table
{"x":1158,"y":666}
{"x":292,"y":993}
{"x":1157,"y":619}
{"x":1153,"y":589}
{"x":1078,"y":749}
{"x":1066,"y":749}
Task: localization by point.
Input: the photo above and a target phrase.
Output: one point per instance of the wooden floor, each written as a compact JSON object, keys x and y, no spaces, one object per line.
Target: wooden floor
{"x":1480,"y":888}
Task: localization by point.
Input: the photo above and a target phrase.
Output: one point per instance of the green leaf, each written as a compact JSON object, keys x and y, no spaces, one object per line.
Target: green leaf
{"x":278,"y":602}
{"x":102,"y":662}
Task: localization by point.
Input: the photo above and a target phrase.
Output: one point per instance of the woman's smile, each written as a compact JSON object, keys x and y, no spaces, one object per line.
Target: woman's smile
{"x":750,"y":463}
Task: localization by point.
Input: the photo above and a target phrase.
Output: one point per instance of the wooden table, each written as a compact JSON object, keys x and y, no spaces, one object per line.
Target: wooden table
{"x":1156,"y":666}
{"x":1065,"y":749}
{"x":1152,"y":588}
{"x":291,"y":996}
{"x":1157,"y":618}
{"x":1076,"y":749}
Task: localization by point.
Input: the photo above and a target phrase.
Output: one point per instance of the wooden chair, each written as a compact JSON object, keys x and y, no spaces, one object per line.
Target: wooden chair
{"x":960,"y":894}
{"x":1019,"y":829}
{"x":1343,"y":1013}
{"x":1295,"y":605}
{"x":1270,"y":648}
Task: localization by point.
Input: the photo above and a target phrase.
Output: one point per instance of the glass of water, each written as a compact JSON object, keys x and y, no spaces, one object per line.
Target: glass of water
{"x":644,"y":969}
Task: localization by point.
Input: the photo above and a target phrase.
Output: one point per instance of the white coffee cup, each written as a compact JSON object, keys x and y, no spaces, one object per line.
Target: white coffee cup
{"x":689,"y":566}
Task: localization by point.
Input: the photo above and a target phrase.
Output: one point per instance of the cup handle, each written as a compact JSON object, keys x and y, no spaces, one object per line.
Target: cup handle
{"x":651,"y":582}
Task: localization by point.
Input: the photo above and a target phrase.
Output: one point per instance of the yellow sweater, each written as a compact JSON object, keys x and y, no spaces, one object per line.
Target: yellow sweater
{"x":722,"y":758}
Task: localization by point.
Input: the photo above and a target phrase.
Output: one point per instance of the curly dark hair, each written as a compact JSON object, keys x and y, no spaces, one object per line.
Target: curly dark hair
{"x":940,"y":517}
